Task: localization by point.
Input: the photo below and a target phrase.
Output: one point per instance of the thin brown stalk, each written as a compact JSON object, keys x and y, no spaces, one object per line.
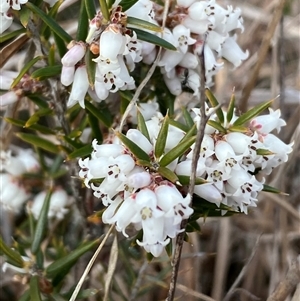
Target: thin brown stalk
{"x":261,"y":55}
{"x":196,"y":152}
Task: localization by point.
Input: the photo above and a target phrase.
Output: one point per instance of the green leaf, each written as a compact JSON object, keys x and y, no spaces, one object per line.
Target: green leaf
{"x":25,"y":70}
{"x":253,"y":113}
{"x":83,"y":23}
{"x":217,"y":126}
{"x":46,"y":72}
{"x":25,"y":296}
{"x":24,"y":16}
{"x":14,"y":257}
{"x":143,"y":24}
{"x":90,"y":8}
{"x":185,"y":180}
{"x":230,"y":109}
{"x":51,"y":56}
{"x":153,"y":39}
{"x":187,"y":117}
{"x":36,"y":116}
{"x":41,"y":224}
{"x":126,"y":4}
{"x":104,"y":9}
{"x":214,"y":103}
{"x":177,"y":151}
{"x":264,"y":152}
{"x":60,"y":45}
{"x":39,"y":142}
{"x":169,"y":248}
{"x":141,"y":124}
{"x":81,"y":152}
{"x":193,"y":226}
{"x":168,"y":174}
{"x":50,"y":22}
{"x":238,"y":128}
{"x":61,"y":264}
{"x":161,"y":138}
{"x":90,"y":67}
{"x":101,"y":115}
{"x":39,"y":100}
{"x":94,"y":124}
{"x":34,"y":289}
{"x":135,"y":149}
{"x":7,"y":36}
{"x":144,"y":163}
{"x":271,"y":189}
{"x":179,"y":125}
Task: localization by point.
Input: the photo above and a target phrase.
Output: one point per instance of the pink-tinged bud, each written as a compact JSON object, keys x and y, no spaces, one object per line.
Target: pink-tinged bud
{"x":74,"y":55}
{"x":139,"y":180}
{"x":8,"y":98}
{"x":67,"y":75}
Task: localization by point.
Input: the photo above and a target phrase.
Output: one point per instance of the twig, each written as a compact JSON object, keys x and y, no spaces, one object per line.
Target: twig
{"x":243,"y":271}
{"x":287,"y":286}
{"x":137,"y":285}
{"x":261,"y":55}
{"x":196,"y":152}
{"x":149,"y":74}
{"x":90,"y":264}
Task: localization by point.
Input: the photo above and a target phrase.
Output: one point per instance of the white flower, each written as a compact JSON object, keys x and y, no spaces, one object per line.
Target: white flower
{"x":138,"y":138}
{"x":58,"y":207}
{"x":6,"y":78}
{"x":79,"y":87}
{"x":8,"y":98}
{"x":264,"y":124}
{"x":12,"y":194}
{"x":67,"y":75}
{"x":209,"y":192}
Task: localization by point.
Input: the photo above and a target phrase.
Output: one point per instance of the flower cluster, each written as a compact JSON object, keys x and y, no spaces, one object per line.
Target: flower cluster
{"x":231,"y":166}
{"x":207,"y":27}
{"x":193,"y":27}
{"x":6,"y":18}
{"x":13,"y":194}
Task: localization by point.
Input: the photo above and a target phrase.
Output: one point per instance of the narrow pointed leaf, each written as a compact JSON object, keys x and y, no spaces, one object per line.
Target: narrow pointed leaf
{"x":264,"y":152}
{"x":126,"y":4}
{"x":192,"y":132}
{"x":252,"y":113}
{"x":39,"y":142}
{"x":187,"y":117}
{"x":161,"y":138}
{"x":34,"y":289}
{"x":90,"y":9}
{"x":143,"y":24}
{"x":81,"y":152}
{"x":60,"y":45}
{"x":50,"y":22}
{"x":216,"y":125}
{"x":142,"y":124}
{"x":51,"y":56}
{"x":46,"y":72}
{"x":39,"y":100}
{"x":83,"y":23}
{"x":153,"y":39}
{"x":24,"y":16}
{"x":271,"y":189}
{"x":214,"y":103}
{"x":169,"y":248}
{"x":144,"y":163}
{"x":168,"y":174}
{"x":13,"y":256}
{"x":90,"y":67}
{"x":41,"y":224}
{"x":7,"y":36}
{"x":61,"y":264}
{"x":101,"y":115}
{"x":104,"y":9}
{"x":36,"y":116}
{"x":135,"y":149}
{"x":239,"y":129}
{"x":177,"y":151}
{"x":179,"y":125}
{"x":230,"y":109}
{"x":94,"y":124}
{"x":185,"y":180}
{"x":25,"y":70}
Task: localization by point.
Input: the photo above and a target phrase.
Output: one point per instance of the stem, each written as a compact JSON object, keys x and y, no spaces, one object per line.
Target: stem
{"x":196,"y":152}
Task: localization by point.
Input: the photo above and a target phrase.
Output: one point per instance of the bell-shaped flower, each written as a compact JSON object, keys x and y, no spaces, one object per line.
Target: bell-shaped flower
{"x":79,"y":87}
{"x":238,"y":141}
{"x":215,"y":40}
{"x":170,"y":59}
{"x":106,"y":150}
{"x":202,"y":10}
{"x":182,"y":35}
{"x":174,"y":85}
{"x":208,"y":192}
{"x":6,"y":78}
{"x":189,"y":61}
{"x":139,"y":139}
{"x":12,"y":194}
{"x":8,"y":98}
{"x":232,"y":52}
{"x":112,"y":42}
{"x":148,"y":110}
{"x":185,"y":3}
{"x":264,"y":124}
{"x":139,"y":179}
{"x":217,"y":175}
{"x":197,"y":26}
